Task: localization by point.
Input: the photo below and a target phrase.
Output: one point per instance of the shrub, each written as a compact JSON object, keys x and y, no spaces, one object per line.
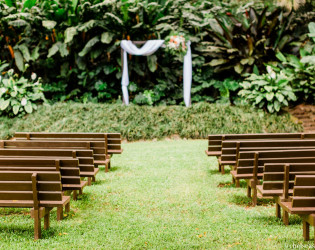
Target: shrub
{"x":269,"y":91}
{"x":244,"y":41}
{"x":19,"y":95}
{"x":301,"y":71}
{"x":144,"y":122}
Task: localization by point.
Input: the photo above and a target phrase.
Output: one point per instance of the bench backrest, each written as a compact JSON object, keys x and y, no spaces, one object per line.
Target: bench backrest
{"x":275,"y":174}
{"x":215,"y":141}
{"x":304,"y":191}
{"x":232,"y":149}
{"x":16,"y":187}
{"x":68,"y":168}
{"x":84,"y":156}
{"x":98,"y":149}
{"x":247,"y":161}
{"x":113,"y":140}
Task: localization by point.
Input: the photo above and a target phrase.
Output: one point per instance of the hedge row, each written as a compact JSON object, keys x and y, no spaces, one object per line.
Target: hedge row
{"x":144,"y":122}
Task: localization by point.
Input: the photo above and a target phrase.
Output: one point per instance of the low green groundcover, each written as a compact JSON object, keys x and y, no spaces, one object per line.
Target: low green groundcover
{"x":145,"y":122}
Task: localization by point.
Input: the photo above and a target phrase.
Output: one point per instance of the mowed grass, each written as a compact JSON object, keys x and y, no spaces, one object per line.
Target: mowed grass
{"x":164,"y":195}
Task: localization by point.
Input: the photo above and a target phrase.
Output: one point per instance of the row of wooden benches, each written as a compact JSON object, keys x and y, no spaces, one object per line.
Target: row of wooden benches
{"x":41,"y":170}
{"x":285,"y":163}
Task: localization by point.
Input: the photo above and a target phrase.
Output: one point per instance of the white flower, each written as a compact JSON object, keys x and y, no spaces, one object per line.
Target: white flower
{"x":10,"y":71}
{"x":33,"y":76}
{"x":15,"y":88}
{"x":36,"y":83}
{"x":3,"y":90}
{"x":0,"y":78}
{"x":23,"y":102}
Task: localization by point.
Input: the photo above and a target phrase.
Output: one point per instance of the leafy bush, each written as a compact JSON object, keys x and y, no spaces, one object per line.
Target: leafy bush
{"x":244,"y":41}
{"x":301,"y":71}
{"x":269,"y":91}
{"x":19,"y":95}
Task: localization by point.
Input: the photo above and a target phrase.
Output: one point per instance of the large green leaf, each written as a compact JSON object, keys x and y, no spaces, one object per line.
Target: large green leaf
{"x":107,"y":37}
{"x":269,"y":96}
{"x":9,"y":3}
{"x":4,"y":104}
{"x":87,"y":48}
{"x":311,"y":27}
{"x":49,"y":24}
{"x":28,"y":107}
{"x":29,"y":4}
{"x":26,"y":54}
{"x":54,"y":49}
{"x":16,"y":109}
{"x":108,"y":14}
{"x":70,"y":33}
{"x":19,"y":60}
{"x":281,"y":57}
{"x":308,"y":59}
{"x":35,"y":53}
{"x":216,"y":62}
{"x":152,"y":63}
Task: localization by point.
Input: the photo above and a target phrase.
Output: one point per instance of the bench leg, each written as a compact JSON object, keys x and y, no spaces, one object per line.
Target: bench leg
{"x":237,"y":183}
{"x":59,"y":213}
{"x":233,"y":180}
{"x":46,"y":221}
{"x":93,"y":179}
{"x":37,"y":225}
{"x":306,"y":230}
{"x":67,"y":207}
{"x":249,"y":191}
{"x":109,"y":164}
{"x":254,"y":196}
{"x":285,"y":218}
{"x":278,"y":211}
{"x":219,"y":165}
{"x":80,"y":192}
{"x":74,"y":195}
{"x":222,"y":169}
{"x":89,"y":181}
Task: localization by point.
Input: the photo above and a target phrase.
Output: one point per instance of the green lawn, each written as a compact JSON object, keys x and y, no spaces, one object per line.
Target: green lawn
{"x":161,"y":194}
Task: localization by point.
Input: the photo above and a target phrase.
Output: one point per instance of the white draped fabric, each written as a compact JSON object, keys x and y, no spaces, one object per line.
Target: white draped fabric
{"x":148,"y":49}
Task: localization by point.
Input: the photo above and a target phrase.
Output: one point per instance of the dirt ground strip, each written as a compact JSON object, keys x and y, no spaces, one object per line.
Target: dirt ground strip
{"x":306,"y":115}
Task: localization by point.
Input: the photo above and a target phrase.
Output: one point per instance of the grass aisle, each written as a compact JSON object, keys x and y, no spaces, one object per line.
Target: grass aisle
{"x":161,"y":194}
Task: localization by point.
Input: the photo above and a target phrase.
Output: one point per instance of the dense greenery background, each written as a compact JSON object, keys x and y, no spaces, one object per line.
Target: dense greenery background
{"x":74,"y":45}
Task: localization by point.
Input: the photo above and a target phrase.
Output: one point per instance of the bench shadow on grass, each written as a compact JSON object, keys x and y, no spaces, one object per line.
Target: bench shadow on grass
{"x":273,"y":220}
{"x":27,"y":233}
{"x":227,"y":170}
{"x":243,"y":200}
{"x":112,"y":169}
{"x":229,"y":184}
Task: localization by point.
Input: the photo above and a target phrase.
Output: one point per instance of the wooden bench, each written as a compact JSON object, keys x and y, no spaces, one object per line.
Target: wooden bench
{"x":68,"y":168}
{"x":61,"y":145}
{"x":215,"y":141}
{"x":302,"y":202}
{"x":85,"y":157}
{"x":231,"y":149}
{"x":277,"y":174}
{"x":102,"y":154}
{"x":40,"y":191}
{"x":250,"y":165}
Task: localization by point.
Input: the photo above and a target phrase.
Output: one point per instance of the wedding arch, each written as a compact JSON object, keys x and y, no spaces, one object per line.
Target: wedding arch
{"x":148,"y":48}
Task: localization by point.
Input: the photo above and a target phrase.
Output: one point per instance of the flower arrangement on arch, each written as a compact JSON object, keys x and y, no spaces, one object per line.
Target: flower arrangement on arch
{"x":176,"y":44}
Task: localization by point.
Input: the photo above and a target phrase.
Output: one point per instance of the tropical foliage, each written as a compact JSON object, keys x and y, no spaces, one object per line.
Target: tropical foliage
{"x":269,"y":91}
{"x":74,"y":46}
{"x":19,"y":95}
